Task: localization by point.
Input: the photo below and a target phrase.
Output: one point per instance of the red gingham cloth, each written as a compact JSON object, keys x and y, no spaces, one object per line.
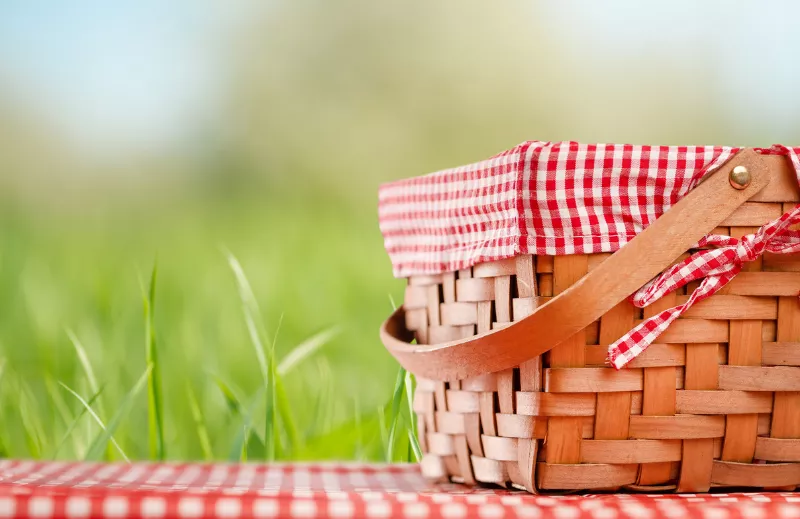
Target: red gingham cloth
{"x":79,"y":490}
{"x":570,"y":198}
{"x":536,"y":198}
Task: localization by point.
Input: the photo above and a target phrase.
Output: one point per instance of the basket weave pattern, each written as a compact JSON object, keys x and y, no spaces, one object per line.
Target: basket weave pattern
{"x":715,"y":403}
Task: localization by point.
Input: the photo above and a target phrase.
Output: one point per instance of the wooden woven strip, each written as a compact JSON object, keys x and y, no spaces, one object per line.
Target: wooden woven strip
{"x":564,"y":433}
{"x":613,"y":409}
{"x":758,"y":378}
{"x":677,"y":427}
{"x":658,"y":398}
{"x":441,"y":444}
{"x":526,"y":276}
{"x":519,"y":426}
{"x":474,"y":290}
{"x":502,"y":298}
{"x":488,"y":470}
{"x":786,"y":409}
{"x":480,"y":383}
{"x":425,"y":280}
{"x":572,"y":477}
{"x":630,"y":451}
{"x":472,"y":430}
{"x":449,"y":287}
{"x":753,"y":214}
{"x":781,"y":262}
{"x":698,"y":454}
{"x":694,"y":331}
{"x":464,"y":461}
{"x":747,"y":474}
{"x":495,"y":269}
{"x":778,"y":449}
{"x":744,"y":349}
{"x":593,"y":380}
{"x":458,"y":314}
{"x":433,"y":468}
{"x":487,"y":412}
{"x":500,"y":448}
{"x":765,"y":284}
{"x":654,"y":356}
{"x":450,"y":423}
{"x":555,"y":404}
{"x":722,"y":402}
{"x":506,"y":390}
{"x":462,"y":401}
{"x":731,"y":307}
{"x":780,"y":354}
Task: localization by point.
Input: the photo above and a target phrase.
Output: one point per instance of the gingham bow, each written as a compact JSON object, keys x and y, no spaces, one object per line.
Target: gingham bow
{"x":717,"y":265}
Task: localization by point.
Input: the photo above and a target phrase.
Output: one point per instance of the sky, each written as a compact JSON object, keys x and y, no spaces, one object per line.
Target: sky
{"x":752,"y":48}
{"x":139,"y":75}
{"x":116,"y":75}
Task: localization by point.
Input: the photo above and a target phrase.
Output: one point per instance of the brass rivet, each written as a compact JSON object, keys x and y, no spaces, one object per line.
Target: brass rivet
{"x":740,"y":177}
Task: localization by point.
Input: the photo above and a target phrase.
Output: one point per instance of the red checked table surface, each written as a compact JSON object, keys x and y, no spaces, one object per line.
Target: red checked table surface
{"x":33,"y":489}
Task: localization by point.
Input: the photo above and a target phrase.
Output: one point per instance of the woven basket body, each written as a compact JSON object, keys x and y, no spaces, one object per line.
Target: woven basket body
{"x":714,"y":403}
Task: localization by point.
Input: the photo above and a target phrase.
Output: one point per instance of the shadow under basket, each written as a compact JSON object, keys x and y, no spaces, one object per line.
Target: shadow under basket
{"x":513,"y":387}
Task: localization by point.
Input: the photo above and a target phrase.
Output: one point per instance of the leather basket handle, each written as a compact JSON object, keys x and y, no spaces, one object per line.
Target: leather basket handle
{"x":644,"y":257}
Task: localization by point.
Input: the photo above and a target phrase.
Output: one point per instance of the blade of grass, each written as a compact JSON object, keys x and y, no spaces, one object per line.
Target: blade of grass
{"x":80,"y":351}
{"x":330,"y":408}
{"x":414,"y":446}
{"x":240,"y":443}
{"x":199,"y":423}
{"x":324,"y":397}
{"x":287,"y":419}
{"x":338,"y":442}
{"x":99,"y":443}
{"x":251,"y":311}
{"x":154,"y":397}
{"x":97,"y":419}
{"x":34,"y":434}
{"x":233,"y":402}
{"x":59,"y":404}
{"x":245,"y":440}
{"x":273,"y":410}
{"x":359,"y":446}
{"x":306,"y":348}
{"x":72,"y":425}
{"x":236,"y":406}
{"x":83,"y":358}
{"x":383,"y":429}
{"x":265,"y":359}
{"x":412,"y":416}
{"x":394,"y":413}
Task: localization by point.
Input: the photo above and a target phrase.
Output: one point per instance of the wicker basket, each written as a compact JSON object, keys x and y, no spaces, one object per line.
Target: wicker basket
{"x":510,"y":357}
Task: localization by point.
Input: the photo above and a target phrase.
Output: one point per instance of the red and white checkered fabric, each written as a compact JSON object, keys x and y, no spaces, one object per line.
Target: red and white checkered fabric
{"x":536,"y":198}
{"x":81,"y":490}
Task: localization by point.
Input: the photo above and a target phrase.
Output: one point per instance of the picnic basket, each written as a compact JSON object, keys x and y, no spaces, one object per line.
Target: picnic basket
{"x":508,"y":335}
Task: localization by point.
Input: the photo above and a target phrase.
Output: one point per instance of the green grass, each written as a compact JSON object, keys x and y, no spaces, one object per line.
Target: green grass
{"x":258,"y":340}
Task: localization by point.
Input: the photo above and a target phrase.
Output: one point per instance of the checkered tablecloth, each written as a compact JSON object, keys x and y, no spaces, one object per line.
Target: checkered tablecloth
{"x":46,"y":490}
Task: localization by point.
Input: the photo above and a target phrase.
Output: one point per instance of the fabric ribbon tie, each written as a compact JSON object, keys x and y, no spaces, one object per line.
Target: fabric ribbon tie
{"x":717,"y":266}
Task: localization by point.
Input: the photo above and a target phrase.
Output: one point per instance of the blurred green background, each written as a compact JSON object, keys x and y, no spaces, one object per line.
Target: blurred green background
{"x":191,"y":133}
